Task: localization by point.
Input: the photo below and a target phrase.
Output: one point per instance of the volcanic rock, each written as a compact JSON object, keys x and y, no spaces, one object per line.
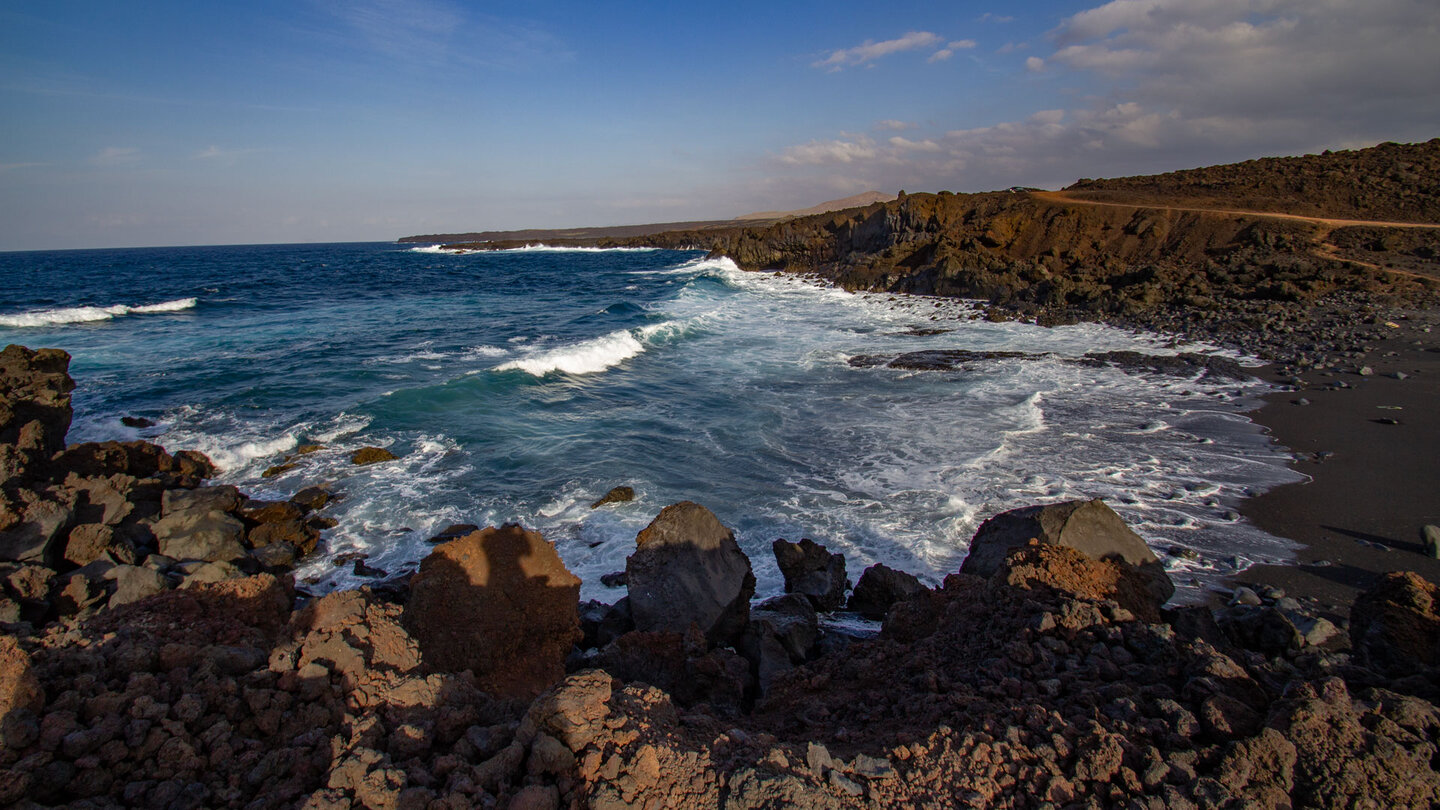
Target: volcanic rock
{"x":615,"y":495}
{"x":210,"y":536}
{"x":1090,"y":527}
{"x":688,"y":568}
{"x":200,"y":501}
{"x":35,"y":388}
{"x":371,"y":455}
{"x":880,"y":587}
{"x":1068,"y":571}
{"x":1395,"y":626}
{"x":498,"y":602}
{"x":809,"y":569}
{"x":38,"y":535}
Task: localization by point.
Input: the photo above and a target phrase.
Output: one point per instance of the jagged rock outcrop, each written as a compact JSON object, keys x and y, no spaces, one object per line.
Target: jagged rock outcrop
{"x":499,"y":603}
{"x":1090,"y":527}
{"x":687,"y":568}
{"x":880,"y":587}
{"x":812,"y":571}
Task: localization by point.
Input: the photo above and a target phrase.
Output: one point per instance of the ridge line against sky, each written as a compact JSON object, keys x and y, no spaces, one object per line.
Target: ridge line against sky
{"x":319,"y":120}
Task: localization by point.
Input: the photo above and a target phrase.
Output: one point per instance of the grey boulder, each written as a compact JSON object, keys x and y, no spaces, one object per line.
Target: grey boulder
{"x":687,"y":568}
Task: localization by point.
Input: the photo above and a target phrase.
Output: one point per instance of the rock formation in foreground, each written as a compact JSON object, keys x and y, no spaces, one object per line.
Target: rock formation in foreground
{"x":1053,"y":680}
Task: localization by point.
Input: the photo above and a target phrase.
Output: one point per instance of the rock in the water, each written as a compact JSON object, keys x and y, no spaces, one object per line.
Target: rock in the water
{"x":812,"y":571}
{"x":1430,"y":538}
{"x":880,"y":587}
{"x":615,"y":495}
{"x":312,"y":498}
{"x":137,"y":422}
{"x":1090,"y":527}
{"x":371,"y":455}
{"x":454,"y":531}
{"x":1395,"y":626}
{"x":688,"y":568}
{"x":498,"y":602}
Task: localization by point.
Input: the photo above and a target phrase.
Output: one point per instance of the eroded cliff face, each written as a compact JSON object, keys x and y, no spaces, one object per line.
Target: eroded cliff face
{"x":1060,"y":261}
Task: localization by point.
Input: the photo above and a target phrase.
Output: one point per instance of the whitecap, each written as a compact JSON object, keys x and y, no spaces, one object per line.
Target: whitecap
{"x":64,"y":315}
{"x":597,"y":354}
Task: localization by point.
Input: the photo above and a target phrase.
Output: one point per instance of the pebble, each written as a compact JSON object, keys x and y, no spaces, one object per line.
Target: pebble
{"x":1366,"y":371}
{"x":1399,"y":375}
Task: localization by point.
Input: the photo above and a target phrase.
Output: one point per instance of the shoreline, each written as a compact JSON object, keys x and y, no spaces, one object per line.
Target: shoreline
{"x":1369,"y":449}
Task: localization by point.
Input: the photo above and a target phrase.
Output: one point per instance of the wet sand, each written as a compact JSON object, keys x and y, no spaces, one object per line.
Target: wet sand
{"x":1372,"y":452}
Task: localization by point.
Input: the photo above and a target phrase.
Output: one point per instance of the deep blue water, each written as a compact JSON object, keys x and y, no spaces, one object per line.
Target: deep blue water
{"x":521,"y":385}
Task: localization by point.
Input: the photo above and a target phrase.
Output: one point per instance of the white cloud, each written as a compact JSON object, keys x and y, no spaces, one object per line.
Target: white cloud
{"x":894,"y":125}
{"x":1181,"y":83}
{"x":817,"y":153}
{"x":869,"y":50}
{"x":950,"y":49}
{"x":906,"y":145}
{"x":1034,"y":64}
{"x":116,"y":156}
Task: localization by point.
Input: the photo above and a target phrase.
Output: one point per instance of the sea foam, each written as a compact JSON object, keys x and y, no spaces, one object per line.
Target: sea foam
{"x":56,"y":317}
{"x":595,"y":355}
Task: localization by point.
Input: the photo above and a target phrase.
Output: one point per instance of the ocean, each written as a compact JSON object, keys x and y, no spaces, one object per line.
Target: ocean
{"x":521,"y":385}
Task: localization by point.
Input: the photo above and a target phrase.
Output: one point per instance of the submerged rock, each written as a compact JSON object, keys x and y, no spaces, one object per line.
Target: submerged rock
{"x":371,"y":455}
{"x":615,"y":495}
{"x":687,"y":568}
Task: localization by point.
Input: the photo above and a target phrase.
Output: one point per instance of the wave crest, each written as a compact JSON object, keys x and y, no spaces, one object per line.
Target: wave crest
{"x":595,"y":355}
{"x":64,"y":315}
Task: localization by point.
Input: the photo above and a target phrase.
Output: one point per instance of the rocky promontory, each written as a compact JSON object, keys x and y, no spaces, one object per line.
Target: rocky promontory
{"x":1047,"y":672}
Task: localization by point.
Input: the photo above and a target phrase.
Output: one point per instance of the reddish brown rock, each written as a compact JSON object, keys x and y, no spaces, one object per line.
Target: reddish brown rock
{"x":1068,"y":571}
{"x":19,"y":688}
{"x":498,"y":602}
{"x":35,"y":390}
{"x":1090,"y":527}
{"x":1395,"y":625}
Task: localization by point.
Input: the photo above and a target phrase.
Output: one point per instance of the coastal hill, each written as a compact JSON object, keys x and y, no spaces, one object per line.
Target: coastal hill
{"x":582,"y":236}
{"x":1214,"y":253}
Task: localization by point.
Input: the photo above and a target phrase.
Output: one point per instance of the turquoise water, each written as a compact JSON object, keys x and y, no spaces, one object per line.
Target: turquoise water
{"x":521,"y":385}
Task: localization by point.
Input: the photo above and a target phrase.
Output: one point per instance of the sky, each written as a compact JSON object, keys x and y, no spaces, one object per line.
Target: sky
{"x":155,"y":123}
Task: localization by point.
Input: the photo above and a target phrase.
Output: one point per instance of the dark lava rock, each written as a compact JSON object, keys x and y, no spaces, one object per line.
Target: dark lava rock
{"x":812,"y":571}
{"x":35,"y":388}
{"x":136,"y":422}
{"x":312,"y":498}
{"x":615,"y":495}
{"x":880,"y":587}
{"x":935,"y":359}
{"x":1090,"y":527}
{"x":687,"y":568}
{"x":453,"y":532}
{"x":1183,"y":364}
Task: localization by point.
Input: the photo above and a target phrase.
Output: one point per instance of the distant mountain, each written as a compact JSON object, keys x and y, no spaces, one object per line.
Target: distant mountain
{"x":854,"y":201}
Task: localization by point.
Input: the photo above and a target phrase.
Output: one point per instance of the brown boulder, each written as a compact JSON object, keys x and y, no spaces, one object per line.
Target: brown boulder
{"x":615,"y":495}
{"x":1068,"y":571}
{"x":498,"y":602}
{"x":371,"y":455}
{"x":1395,"y":625}
{"x":687,"y":568}
{"x":35,"y":390}
{"x":20,"y":690}
{"x":1089,"y":527}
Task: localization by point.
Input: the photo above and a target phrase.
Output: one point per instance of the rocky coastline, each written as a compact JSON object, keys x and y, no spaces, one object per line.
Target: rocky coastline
{"x":178,"y":666}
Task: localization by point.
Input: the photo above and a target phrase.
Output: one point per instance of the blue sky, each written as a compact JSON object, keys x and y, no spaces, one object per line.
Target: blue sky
{"x":149,"y":123}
